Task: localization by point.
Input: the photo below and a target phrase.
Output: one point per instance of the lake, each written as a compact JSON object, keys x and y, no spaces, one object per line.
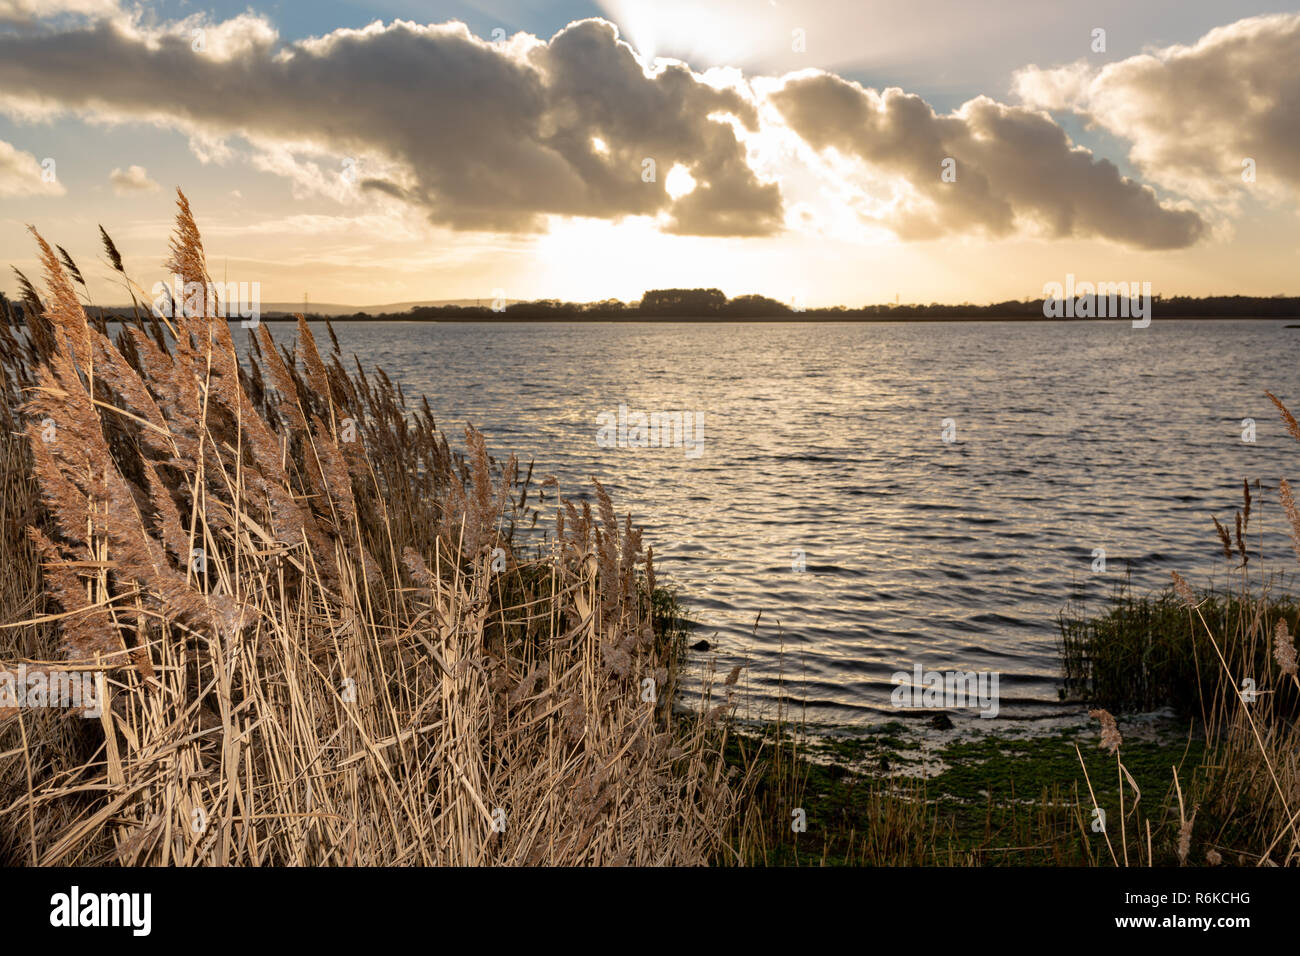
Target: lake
{"x":885,"y":494}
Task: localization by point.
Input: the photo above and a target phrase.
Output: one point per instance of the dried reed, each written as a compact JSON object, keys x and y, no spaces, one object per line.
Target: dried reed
{"x":322,"y":642}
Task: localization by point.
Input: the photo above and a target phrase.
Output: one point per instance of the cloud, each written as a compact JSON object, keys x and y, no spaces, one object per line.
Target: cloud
{"x":134,"y":179}
{"x":1015,"y":169}
{"x":1194,"y":113}
{"x":505,"y":136}
{"x":493,"y":136}
{"x":25,"y":11}
{"x":22,"y":175}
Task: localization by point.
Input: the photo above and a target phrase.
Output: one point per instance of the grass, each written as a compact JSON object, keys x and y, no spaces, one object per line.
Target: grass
{"x":991,"y":801}
{"x":1146,"y":652}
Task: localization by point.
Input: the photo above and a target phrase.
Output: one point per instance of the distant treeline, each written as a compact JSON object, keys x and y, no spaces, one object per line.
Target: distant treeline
{"x":712,"y":304}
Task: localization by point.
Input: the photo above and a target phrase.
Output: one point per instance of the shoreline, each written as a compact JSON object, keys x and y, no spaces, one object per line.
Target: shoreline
{"x":886,"y":798}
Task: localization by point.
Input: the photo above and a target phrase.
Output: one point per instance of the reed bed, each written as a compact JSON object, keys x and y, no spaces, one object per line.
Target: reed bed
{"x":322,"y":637}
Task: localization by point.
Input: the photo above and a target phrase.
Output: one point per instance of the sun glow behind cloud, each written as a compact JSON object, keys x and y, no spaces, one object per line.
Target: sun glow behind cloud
{"x":776,"y":36}
{"x":720,"y":34}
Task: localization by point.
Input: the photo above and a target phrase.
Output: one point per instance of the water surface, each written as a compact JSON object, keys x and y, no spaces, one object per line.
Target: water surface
{"x":827,"y":438}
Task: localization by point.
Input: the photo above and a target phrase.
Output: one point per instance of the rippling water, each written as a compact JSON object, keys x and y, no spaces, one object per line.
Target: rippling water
{"x":826,"y":438}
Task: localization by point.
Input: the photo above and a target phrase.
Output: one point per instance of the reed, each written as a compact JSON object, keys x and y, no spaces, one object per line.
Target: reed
{"x":324,"y":637}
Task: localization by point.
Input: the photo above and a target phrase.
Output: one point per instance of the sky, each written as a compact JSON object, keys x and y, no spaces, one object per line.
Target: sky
{"x":817,"y":152}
